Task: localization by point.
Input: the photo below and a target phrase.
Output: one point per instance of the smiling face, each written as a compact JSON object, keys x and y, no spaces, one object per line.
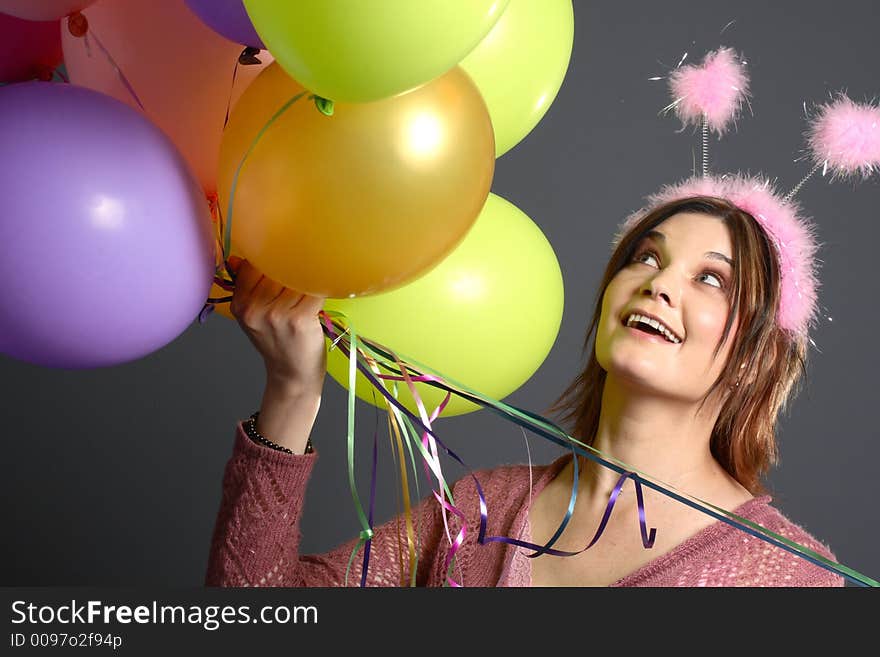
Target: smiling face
{"x":678,"y":274}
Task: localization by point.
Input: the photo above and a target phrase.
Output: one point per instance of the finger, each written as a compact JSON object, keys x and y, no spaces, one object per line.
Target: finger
{"x":289,"y":298}
{"x":265,"y":292}
{"x":246,"y":280}
{"x":309,"y":304}
{"x":234,"y":262}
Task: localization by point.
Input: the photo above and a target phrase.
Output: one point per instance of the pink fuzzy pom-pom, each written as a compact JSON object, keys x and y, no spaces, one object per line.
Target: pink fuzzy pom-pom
{"x":715,"y":90}
{"x":845,"y":136}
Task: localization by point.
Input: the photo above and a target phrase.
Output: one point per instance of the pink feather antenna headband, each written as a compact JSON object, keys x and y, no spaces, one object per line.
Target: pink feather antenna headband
{"x":843,"y":138}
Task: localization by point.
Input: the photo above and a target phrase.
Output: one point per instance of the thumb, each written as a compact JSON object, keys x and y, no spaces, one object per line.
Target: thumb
{"x":234,"y":262}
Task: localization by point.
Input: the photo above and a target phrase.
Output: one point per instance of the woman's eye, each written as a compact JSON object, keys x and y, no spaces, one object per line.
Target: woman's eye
{"x":639,"y":257}
{"x":716,"y":277}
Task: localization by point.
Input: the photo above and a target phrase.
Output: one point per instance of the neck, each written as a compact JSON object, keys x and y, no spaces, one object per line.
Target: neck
{"x":662,"y":437}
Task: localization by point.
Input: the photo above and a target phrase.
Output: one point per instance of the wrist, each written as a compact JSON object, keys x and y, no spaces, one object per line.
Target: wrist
{"x":287,"y":415}
{"x":283,"y":388}
{"x":250,"y":428}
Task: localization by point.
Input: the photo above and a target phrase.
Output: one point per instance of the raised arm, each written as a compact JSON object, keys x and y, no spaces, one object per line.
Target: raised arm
{"x":256,"y":536}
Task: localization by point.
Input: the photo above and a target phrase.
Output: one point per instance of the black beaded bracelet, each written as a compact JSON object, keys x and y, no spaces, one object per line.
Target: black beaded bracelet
{"x":250,"y":428}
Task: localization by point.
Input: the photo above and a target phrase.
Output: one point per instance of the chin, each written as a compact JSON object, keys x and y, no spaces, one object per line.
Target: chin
{"x":636,"y":372}
{"x":638,"y":366}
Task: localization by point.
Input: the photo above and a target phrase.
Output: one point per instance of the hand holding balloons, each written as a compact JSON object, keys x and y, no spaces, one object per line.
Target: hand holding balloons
{"x":283,"y":326}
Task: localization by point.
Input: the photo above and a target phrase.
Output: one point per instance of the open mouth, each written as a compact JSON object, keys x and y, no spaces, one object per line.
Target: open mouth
{"x":646,"y":330}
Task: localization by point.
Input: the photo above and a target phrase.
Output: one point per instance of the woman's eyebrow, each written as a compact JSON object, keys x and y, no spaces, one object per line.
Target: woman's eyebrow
{"x":714,"y":255}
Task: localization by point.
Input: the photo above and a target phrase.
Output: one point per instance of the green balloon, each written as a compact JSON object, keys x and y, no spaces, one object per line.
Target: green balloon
{"x":520,"y":65}
{"x":486,"y":316}
{"x":362,"y":50}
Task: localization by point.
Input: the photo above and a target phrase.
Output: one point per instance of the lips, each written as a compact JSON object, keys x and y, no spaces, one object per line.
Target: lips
{"x":652,"y":337}
{"x":644,"y":313}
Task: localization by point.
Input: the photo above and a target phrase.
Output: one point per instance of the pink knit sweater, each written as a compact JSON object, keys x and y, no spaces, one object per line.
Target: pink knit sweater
{"x":256,"y":536}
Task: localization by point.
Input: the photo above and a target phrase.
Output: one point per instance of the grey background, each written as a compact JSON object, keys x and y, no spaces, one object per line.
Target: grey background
{"x":112,"y":477}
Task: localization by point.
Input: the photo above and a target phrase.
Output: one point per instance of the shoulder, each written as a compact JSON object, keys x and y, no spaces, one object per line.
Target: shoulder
{"x":766,"y":564}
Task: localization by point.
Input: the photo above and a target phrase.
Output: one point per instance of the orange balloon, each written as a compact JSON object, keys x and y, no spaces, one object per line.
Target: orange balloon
{"x":361,"y":201}
{"x":180,"y":69}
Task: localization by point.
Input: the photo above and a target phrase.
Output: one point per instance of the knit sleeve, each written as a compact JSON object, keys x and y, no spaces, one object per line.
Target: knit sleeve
{"x":256,"y":536}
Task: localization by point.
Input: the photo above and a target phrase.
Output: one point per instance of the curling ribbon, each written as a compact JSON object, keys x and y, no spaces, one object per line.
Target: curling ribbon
{"x":394,"y":432}
{"x":556,"y":434}
{"x":366,"y":534}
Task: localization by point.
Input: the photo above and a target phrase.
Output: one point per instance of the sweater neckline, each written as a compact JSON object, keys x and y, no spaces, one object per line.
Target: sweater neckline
{"x":705,"y":537}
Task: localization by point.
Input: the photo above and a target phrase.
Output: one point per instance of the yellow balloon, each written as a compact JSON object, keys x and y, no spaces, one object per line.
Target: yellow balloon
{"x":361,"y":201}
{"x":363,"y":50}
{"x":486,"y":316}
{"x":520,"y":66}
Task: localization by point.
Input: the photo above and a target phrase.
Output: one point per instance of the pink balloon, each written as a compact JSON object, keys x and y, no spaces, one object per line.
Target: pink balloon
{"x":42,"y":10}
{"x":179,"y":68}
{"x":28,"y":49}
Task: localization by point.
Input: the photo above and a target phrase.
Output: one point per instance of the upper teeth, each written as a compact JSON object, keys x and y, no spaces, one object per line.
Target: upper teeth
{"x":634,"y":318}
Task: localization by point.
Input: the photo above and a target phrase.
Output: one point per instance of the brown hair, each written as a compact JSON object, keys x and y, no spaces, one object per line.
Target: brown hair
{"x":765,"y":360}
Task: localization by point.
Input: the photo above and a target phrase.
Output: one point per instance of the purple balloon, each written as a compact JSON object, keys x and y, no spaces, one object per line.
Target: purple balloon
{"x":108,"y":246}
{"x":228,"y":18}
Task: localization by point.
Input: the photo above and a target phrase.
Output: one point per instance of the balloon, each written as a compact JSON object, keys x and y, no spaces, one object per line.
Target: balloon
{"x":179,"y":68}
{"x":228,"y":18}
{"x":480,"y":317}
{"x":520,"y":66}
{"x":42,"y":10}
{"x":356,"y":51}
{"x":28,"y":49}
{"x":360,"y":201}
{"x":108,"y":253}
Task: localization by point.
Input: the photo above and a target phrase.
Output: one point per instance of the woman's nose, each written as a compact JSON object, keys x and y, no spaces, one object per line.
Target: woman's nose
{"x":662,"y":285}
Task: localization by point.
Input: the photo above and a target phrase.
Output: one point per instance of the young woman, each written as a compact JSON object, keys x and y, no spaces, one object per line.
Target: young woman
{"x":688,"y":371}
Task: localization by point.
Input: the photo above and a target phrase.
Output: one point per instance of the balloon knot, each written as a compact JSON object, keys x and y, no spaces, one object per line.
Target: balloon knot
{"x":248,"y":56}
{"x":77,"y":24}
{"x":366,"y":534}
{"x":324,"y":105}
